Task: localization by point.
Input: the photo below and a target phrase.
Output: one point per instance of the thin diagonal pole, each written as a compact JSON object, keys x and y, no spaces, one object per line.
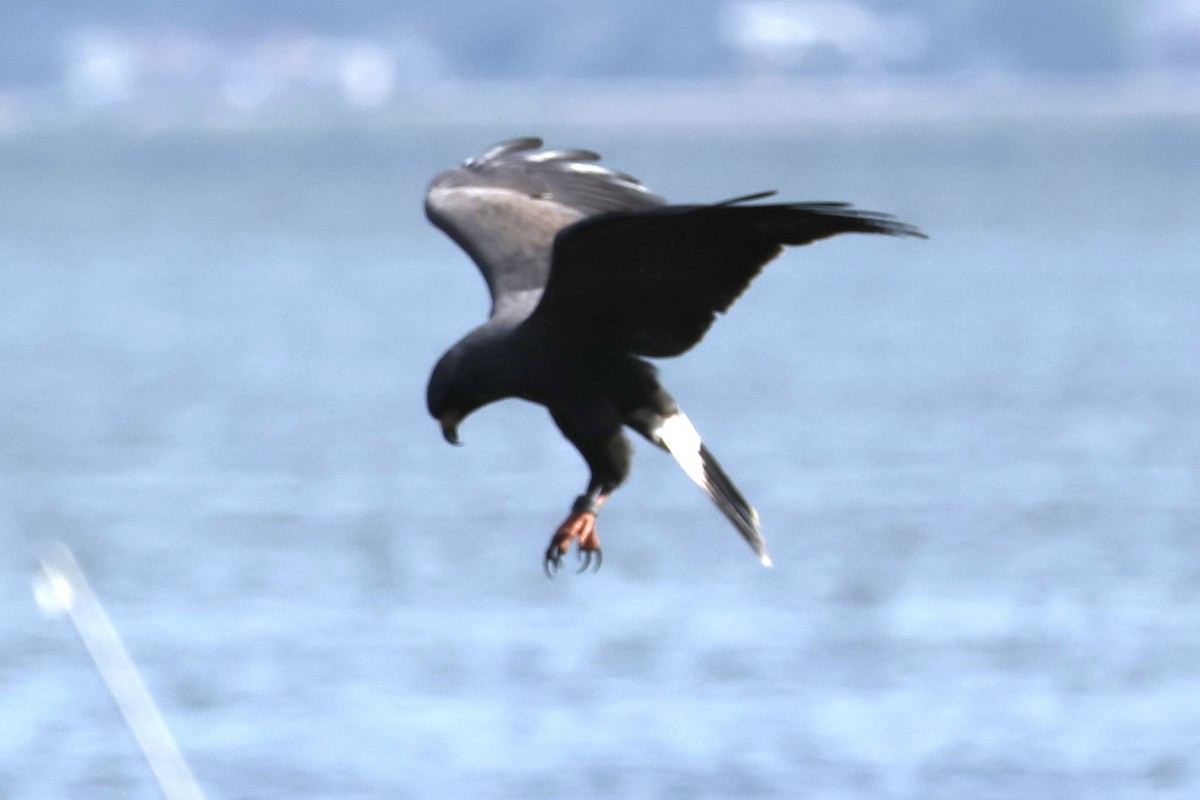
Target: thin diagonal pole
{"x":61,"y":587}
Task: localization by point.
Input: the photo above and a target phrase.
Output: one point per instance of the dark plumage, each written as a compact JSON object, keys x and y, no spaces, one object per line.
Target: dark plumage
{"x":588,"y":271}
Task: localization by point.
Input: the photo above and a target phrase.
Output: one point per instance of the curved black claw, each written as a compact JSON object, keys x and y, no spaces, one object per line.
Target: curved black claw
{"x":552,"y":562}
{"x":591,"y":560}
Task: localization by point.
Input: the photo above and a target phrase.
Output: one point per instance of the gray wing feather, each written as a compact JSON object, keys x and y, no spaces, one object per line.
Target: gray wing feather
{"x":506,"y":205}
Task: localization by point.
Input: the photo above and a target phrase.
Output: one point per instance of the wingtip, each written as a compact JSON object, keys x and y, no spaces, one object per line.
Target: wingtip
{"x":747,"y":198}
{"x":904,"y":229}
{"x":504,"y":148}
{"x":765,"y":560}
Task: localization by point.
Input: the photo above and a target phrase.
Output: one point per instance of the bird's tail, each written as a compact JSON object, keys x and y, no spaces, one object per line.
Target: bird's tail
{"x":680,"y":438}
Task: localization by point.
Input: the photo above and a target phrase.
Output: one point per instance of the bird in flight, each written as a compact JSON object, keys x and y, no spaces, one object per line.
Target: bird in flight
{"x":590,"y":273}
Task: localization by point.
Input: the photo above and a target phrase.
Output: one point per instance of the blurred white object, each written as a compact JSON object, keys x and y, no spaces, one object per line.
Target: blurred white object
{"x":59,"y":588}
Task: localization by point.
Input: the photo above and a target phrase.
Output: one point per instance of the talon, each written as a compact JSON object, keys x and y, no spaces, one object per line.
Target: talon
{"x":553,"y":560}
{"x":579,"y":527}
{"x":591,"y":560}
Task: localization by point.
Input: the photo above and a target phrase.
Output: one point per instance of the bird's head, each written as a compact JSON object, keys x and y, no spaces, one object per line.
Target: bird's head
{"x":460,"y":384}
{"x":446,"y":400}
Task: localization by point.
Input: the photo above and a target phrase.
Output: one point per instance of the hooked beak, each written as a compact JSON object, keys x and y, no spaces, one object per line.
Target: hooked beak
{"x":450,"y":422}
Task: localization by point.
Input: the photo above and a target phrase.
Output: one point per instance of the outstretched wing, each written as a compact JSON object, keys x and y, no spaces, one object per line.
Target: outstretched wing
{"x":505,"y":206}
{"x":651,"y":282}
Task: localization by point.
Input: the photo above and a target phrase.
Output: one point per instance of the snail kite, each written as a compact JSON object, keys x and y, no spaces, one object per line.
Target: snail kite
{"x":589,"y":272}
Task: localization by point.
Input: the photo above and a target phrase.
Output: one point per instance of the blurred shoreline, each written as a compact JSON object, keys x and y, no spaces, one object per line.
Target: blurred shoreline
{"x":761,"y":104}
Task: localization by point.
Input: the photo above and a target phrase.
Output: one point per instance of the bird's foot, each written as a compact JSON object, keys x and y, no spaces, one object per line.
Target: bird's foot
{"x":579,"y":527}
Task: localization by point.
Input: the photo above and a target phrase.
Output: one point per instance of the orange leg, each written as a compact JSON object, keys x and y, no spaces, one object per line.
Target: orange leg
{"x":579,"y":526}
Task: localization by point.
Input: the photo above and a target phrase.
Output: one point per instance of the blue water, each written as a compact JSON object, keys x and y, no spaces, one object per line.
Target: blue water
{"x":977,"y":460}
